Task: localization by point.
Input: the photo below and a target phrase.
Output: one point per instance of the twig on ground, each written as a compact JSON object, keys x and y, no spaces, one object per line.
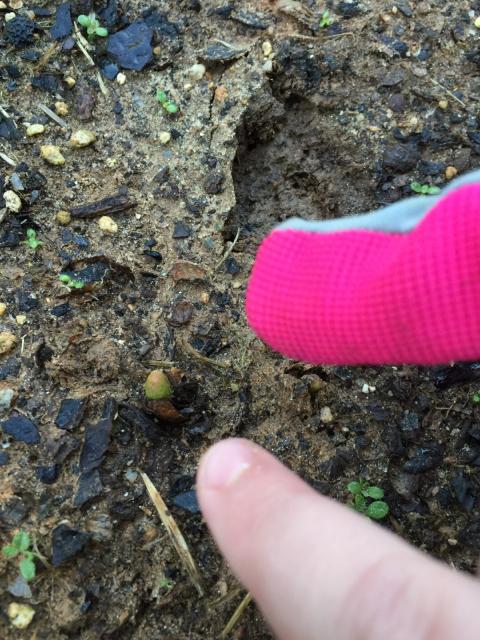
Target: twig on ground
{"x":175,"y":534}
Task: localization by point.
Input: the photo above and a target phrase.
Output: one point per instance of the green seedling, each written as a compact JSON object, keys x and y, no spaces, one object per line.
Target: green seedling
{"x":367,"y":499}
{"x":32,"y":241}
{"x":21,"y":548}
{"x":476,"y":398}
{"x":425,"y":189}
{"x":92,"y":26}
{"x":166,"y":584}
{"x":168,"y":105}
{"x":71,"y":282}
{"x":325,"y":20}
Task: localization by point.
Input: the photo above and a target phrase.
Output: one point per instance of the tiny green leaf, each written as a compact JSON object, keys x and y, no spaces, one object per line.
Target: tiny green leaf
{"x":375,"y":492}
{"x":377,"y":510}
{"x":83,"y":20}
{"x":161,"y":96}
{"x":171,"y":107}
{"x":21,"y":540}
{"x":63,"y":277}
{"x":9,"y":551}
{"x":359,"y":502}
{"x":433,"y":190}
{"x":354,"y":487}
{"x":102,"y":32}
{"x":27,"y":569}
{"x":476,"y":398}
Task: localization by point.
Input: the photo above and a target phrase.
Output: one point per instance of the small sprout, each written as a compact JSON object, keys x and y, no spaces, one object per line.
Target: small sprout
{"x":168,"y":105}
{"x":157,"y":386}
{"x":325,"y":20}
{"x":71,"y":283}
{"x":367,"y":499}
{"x":21,"y":547}
{"x":92,"y":25}
{"x":476,"y":398}
{"x":32,"y":240}
{"x":166,"y":584}
{"x":425,"y":189}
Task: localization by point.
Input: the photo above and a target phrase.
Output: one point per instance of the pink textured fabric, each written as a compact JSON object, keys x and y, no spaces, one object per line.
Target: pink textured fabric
{"x":369,"y":297}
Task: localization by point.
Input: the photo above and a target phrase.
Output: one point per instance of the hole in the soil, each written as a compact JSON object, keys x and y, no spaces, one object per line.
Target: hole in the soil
{"x":295,"y":159}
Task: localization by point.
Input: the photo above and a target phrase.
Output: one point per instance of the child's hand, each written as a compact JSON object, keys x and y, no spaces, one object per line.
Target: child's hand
{"x":319,"y":571}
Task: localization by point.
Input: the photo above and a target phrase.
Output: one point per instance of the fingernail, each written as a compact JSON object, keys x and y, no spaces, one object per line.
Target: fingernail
{"x":225,"y":463}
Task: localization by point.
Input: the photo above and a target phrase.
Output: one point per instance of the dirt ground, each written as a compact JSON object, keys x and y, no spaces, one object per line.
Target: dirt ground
{"x":287,"y":119}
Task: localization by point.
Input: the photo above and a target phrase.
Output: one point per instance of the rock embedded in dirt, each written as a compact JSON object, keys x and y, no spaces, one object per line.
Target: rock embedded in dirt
{"x":82,"y":138}
{"x":424,"y":458}
{"x":34,"y":130}
{"x":213,"y":183}
{"x":131,"y":48}
{"x":219,"y":52}
{"x":67,"y":543}
{"x":7,"y":342}
{"x":47,"y":474}
{"x":71,"y":413}
{"x":63,"y":22}
{"x":12,"y":201}
{"x":188,"y":271}
{"x":181,"y":312}
{"x":196,"y":72}
{"x":21,"y":429}
{"x":19,"y":31}
{"x":107,"y":224}
{"x":20,"y":615}
{"x":181,"y":230}
{"x":401,"y":157}
{"x":85,"y":101}
{"x":52,"y":154}
{"x":19,"y":588}
{"x":48,"y":82}
{"x":188,"y":501}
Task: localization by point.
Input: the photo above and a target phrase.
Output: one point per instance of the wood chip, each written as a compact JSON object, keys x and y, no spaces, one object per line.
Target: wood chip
{"x":175,"y":534}
{"x":105,"y":206}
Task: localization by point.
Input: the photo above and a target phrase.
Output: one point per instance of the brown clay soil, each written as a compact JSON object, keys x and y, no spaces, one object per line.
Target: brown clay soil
{"x":333,"y":121}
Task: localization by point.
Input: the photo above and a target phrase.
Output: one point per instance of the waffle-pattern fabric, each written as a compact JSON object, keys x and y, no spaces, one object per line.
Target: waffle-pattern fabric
{"x":370,"y":297}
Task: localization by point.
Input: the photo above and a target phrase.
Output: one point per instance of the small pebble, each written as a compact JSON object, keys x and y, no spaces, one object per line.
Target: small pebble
{"x":12,"y":201}
{"x":477,"y":23}
{"x":7,"y":342}
{"x":20,"y":319}
{"x":9,"y":16}
{"x":326,"y":415}
{"x":34,"y":130}
{"x":70,"y":82}
{"x":121,"y":78}
{"x":267,"y":66}
{"x":63,"y":217}
{"x":3,"y":308}
{"x":164,"y":137}
{"x":51,"y":153}
{"x":196,"y":71}
{"x":450,"y":172}
{"x":6,"y":397}
{"x":107,"y":224}
{"x":61,"y":108}
{"x":16,"y":4}
{"x":2,"y":6}
{"x":20,"y":615}
{"x":267,"y":48}
{"x":443,"y":104}
{"x":82,"y":138}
